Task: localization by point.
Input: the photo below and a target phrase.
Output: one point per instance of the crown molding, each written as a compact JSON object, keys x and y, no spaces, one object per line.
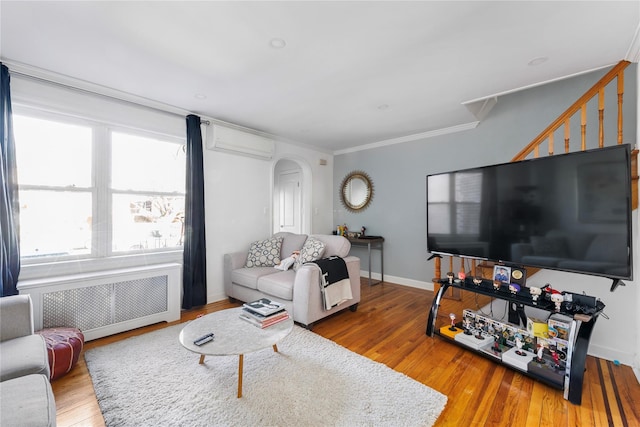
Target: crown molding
{"x":409,"y":138}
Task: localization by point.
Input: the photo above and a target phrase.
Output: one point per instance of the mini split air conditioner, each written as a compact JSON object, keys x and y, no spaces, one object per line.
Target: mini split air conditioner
{"x":235,"y":141}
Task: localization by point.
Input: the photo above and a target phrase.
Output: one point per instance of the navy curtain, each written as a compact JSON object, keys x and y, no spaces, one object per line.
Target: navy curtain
{"x":9,"y":205}
{"x":194,"y":268}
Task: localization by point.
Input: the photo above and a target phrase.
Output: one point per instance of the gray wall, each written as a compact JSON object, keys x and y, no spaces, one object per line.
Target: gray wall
{"x":398,"y":209}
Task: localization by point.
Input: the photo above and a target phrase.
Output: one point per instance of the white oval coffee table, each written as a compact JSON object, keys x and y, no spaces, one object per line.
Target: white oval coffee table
{"x":232,"y":336}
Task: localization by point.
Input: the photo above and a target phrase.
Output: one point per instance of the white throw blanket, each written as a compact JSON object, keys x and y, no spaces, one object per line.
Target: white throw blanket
{"x":336,"y":293}
{"x":335,"y":285}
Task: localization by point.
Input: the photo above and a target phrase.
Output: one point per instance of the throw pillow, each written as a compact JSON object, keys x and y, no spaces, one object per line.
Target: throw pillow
{"x":549,"y":246}
{"x":264,"y":253}
{"x":312,"y":250}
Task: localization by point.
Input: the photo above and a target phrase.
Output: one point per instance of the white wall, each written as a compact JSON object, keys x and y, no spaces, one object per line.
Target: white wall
{"x":238,"y":202}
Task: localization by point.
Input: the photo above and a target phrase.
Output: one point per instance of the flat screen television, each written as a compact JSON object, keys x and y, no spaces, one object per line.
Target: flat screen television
{"x":568,"y":212}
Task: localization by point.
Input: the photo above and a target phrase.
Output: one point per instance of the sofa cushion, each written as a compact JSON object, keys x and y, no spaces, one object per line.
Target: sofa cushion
{"x":291,"y":242}
{"x":27,"y":401}
{"x":23,"y":356}
{"x":264,"y":253}
{"x":248,"y":277}
{"x":312,"y":250}
{"x":279,"y":285}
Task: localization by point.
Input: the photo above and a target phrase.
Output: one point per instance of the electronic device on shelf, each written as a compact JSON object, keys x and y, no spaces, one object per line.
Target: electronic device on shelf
{"x":568,"y":212}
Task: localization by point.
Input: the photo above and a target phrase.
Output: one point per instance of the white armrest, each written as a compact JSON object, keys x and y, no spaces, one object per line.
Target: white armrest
{"x":232,"y":261}
{"x":307,"y":297}
{"x":16,"y":317}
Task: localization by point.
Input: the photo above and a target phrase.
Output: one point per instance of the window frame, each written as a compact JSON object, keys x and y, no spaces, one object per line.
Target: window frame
{"x":102,"y":255}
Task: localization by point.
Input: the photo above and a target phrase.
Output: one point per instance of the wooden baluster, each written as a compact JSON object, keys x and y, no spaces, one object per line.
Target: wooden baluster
{"x":437,"y":274}
{"x":583,"y":126}
{"x":473,"y":268}
{"x":551,"y":144}
{"x":620,"y":96}
{"x":536,"y":151}
{"x":601,"y":118}
{"x":452,"y":293}
{"x":567,"y":131}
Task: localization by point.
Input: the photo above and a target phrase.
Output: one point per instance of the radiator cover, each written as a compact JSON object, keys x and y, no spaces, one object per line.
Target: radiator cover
{"x":108,"y":302}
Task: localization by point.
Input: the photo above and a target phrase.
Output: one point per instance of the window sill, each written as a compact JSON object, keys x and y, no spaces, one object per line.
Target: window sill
{"x":51,"y":269}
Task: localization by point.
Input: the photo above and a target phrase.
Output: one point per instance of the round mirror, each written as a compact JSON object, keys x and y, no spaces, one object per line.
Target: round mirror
{"x":356,"y":191}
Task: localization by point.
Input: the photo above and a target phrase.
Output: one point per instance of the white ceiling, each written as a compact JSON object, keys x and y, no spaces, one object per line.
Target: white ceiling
{"x":351,"y":74}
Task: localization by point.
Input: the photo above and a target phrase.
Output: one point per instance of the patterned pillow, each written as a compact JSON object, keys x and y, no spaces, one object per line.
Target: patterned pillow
{"x":311,"y":250}
{"x":264,"y":253}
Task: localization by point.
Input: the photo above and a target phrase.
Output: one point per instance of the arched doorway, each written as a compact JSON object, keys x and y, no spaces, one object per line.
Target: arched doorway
{"x":291,"y":196}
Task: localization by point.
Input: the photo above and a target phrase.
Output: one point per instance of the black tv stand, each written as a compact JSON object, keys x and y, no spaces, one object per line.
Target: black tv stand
{"x":583,"y":328}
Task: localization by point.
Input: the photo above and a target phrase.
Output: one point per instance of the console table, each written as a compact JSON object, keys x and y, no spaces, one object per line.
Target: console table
{"x":583,"y":327}
{"x":371,"y":242}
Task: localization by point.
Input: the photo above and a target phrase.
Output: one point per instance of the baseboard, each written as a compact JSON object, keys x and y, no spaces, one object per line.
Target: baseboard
{"x":364,"y":274}
{"x":612,"y":355}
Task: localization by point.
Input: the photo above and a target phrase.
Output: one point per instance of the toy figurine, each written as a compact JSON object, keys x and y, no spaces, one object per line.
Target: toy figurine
{"x":462,"y":275}
{"x":535,"y":293}
{"x":467,"y":326}
{"x":450,"y":277}
{"x":496,"y":345}
{"x":539,"y":354}
{"x":519,"y":345}
{"x":556,"y":358}
{"x":496,"y":285}
{"x":452,"y":316}
{"x":557,"y":298}
{"x":477,"y":280}
{"x":514,"y":288}
{"x":478,"y":330}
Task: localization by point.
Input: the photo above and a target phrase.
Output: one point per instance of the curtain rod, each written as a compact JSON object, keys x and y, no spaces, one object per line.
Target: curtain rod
{"x":104,"y":95}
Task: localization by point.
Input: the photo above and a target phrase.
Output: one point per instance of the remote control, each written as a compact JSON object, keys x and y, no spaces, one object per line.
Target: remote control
{"x":204,"y":339}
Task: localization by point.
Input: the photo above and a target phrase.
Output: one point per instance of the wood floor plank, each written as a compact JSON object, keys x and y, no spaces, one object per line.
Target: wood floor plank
{"x":537,"y":398}
{"x":389,"y":327}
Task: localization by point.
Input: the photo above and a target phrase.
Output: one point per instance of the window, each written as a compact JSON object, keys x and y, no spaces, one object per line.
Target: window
{"x":147,"y":185}
{"x":90,"y":190}
{"x":55,"y":187}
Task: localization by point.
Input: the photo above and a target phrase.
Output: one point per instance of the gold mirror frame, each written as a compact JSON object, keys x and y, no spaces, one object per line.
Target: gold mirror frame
{"x":356,"y":191}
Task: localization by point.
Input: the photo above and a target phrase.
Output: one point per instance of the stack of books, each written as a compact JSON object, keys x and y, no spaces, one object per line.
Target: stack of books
{"x":264,"y":312}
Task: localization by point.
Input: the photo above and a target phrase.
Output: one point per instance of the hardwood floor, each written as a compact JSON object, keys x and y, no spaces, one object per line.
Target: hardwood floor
{"x":389,"y":327}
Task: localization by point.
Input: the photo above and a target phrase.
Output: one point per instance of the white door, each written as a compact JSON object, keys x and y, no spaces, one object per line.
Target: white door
{"x":289,"y":202}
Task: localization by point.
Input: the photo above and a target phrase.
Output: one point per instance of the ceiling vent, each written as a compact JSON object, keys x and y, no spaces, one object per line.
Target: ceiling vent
{"x":239,"y":142}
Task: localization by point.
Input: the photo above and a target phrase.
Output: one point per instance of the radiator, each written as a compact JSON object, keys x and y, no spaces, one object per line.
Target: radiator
{"x":108,"y":302}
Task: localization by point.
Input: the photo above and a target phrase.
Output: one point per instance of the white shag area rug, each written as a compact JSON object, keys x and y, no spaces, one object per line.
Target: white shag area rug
{"x":151,"y":380}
